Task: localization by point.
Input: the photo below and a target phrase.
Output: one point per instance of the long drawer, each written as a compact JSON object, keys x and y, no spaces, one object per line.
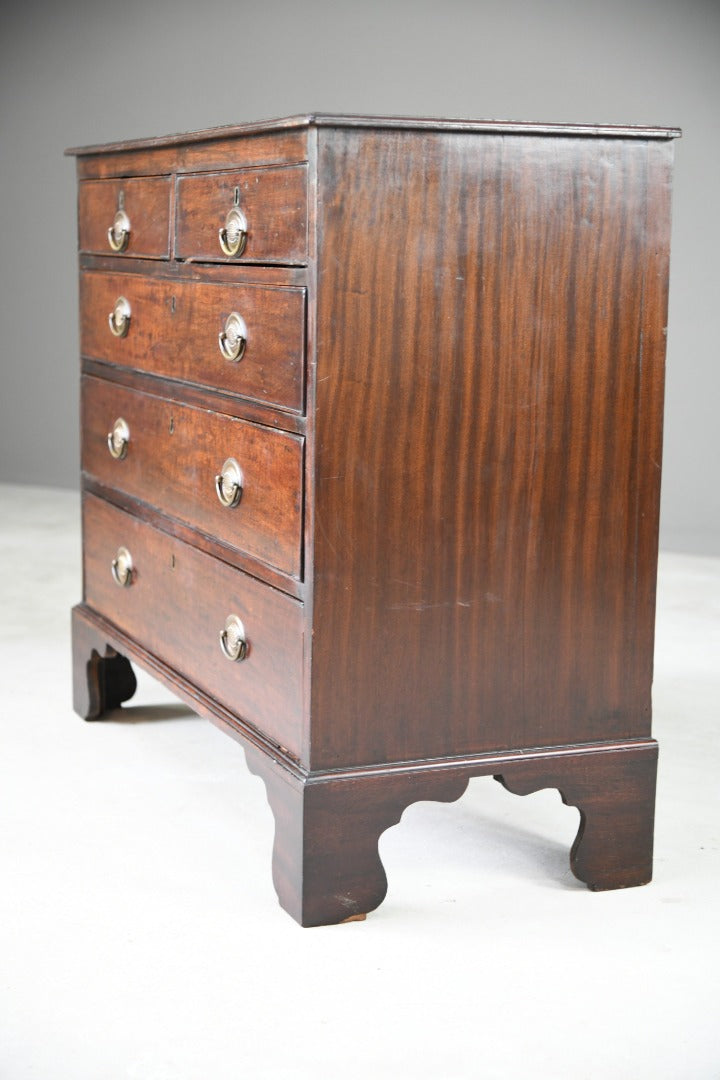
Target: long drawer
{"x":177,"y":601}
{"x":169,"y":455}
{"x":188,"y":330}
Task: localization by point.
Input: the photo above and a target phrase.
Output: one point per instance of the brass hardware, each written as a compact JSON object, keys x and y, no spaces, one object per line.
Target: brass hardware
{"x":229,"y":484}
{"x":233,"y":235}
{"x":119,"y":231}
{"x":232,"y":639}
{"x":119,"y":318}
{"x":122,"y":568}
{"x":118,"y":439}
{"x":233,"y":338}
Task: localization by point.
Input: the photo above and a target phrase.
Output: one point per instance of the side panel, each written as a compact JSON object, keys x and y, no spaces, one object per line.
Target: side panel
{"x":488,"y":423}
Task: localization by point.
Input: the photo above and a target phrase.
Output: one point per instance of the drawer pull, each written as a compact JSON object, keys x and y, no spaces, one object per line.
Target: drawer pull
{"x":233,"y":338}
{"x":119,"y":231}
{"x":119,"y":318}
{"x":229,"y":484}
{"x":232,"y":639}
{"x":118,"y":439}
{"x":233,"y":234}
{"x":122,"y":568}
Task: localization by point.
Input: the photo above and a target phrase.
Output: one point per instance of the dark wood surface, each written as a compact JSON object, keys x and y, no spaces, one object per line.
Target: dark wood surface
{"x":102,"y":679}
{"x":174,"y":328}
{"x":282,"y":125}
{"x":488,"y":419}
{"x":220,"y":273}
{"x":464,"y":523}
{"x":153,"y":157}
{"x":147,"y":204}
{"x":273,"y":200}
{"x":204,"y":397}
{"x":650,"y":400}
{"x":212,"y":545}
{"x":176,"y":451}
{"x":614,"y":791}
{"x":161,"y":609}
{"x":326,"y":865}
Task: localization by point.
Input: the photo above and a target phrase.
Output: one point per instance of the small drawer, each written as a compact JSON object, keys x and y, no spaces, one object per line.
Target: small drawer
{"x":129,"y":217}
{"x":176,"y":601}
{"x":188,"y":330}
{"x":171,"y":456}
{"x":246,"y":216}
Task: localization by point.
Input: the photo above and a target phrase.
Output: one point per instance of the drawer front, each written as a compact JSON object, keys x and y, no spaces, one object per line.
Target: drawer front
{"x":272,"y":202}
{"x":176,"y":605}
{"x":145,"y":229}
{"x":174,"y":327}
{"x":172,"y":456}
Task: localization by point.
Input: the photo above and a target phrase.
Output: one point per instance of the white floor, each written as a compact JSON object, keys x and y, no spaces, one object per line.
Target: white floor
{"x":140,"y":937}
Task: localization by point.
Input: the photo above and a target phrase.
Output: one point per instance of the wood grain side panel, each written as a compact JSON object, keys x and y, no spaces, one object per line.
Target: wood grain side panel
{"x":147,"y":204}
{"x":651,"y":393}
{"x":476,"y":567}
{"x":273,"y":200}
{"x":175,"y":451}
{"x":174,"y":329}
{"x":176,"y":607}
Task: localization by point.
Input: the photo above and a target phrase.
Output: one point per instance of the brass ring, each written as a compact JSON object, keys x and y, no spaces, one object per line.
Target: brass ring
{"x":119,"y":318}
{"x":229,"y":484}
{"x":119,"y":232}
{"x":233,"y":235}
{"x":232,"y":639}
{"x":233,"y":339}
{"x":122,"y":568}
{"x":118,"y":439}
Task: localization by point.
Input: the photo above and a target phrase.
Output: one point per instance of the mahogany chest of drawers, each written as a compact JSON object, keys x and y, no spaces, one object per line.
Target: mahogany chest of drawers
{"x":371,"y":437}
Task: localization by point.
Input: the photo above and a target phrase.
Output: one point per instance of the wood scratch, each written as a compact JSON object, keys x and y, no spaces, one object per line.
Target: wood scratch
{"x":420,"y":606}
{"x":325,"y":533}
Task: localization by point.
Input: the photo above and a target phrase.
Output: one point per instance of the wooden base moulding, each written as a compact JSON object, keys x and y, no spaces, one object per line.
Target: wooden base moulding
{"x":326,"y":865}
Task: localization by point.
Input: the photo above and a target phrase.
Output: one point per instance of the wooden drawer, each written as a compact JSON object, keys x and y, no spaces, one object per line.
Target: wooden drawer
{"x":145,"y":201}
{"x":176,"y":606}
{"x":174,"y":329}
{"x":272,"y":200}
{"x":175,"y":452}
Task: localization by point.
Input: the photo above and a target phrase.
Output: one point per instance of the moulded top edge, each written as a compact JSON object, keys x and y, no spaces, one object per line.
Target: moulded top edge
{"x":407,"y":123}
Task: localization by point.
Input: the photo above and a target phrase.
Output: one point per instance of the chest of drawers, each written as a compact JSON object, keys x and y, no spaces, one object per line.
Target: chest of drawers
{"x":371,"y":437}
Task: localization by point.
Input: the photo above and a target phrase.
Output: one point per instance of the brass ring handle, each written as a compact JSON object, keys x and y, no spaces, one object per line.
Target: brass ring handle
{"x":233,"y":338}
{"x":229,"y":484}
{"x":233,"y":642}
{"x":122,"y":568}
{"x":234,"y":233}
{"x":119,"y":231}
{"x":118,"y":439}
{"x":119,"y":318}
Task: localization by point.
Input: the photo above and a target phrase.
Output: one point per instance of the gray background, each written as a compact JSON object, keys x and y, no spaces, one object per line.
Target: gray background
{"x":92,"y":72}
